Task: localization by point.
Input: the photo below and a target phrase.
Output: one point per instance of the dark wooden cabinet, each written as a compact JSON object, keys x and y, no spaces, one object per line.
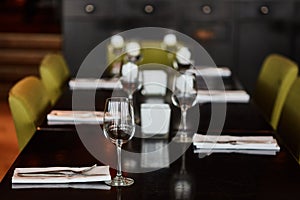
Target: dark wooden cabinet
{"x":211,"y":24}
{"x":236,"y":33}
{"x":264,"y":27}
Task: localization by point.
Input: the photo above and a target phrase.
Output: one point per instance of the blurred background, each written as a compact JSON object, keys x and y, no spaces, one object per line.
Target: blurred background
{"x":238,"y":34}
{"x":28,"y":30}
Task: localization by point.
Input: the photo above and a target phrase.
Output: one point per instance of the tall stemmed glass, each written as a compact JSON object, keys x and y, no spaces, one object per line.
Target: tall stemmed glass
{"x":184,"y":96}
{"x":130,"y":79}
{"x":119,"y":127}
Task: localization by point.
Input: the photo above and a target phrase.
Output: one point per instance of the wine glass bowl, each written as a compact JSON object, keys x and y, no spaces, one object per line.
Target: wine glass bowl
{"x":118,"y":134}
{"x":119,"y":127}
{"x":184,"y":96}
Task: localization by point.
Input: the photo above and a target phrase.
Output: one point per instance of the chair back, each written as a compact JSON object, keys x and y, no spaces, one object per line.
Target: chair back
{"x":153,"y":52}
{"x":54,"y":73}
{"x":29,"y":104}
{"x":274,"y":81}
{"x":289,"y":123}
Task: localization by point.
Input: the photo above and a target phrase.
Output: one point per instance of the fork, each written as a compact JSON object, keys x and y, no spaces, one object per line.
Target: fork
{"x":59,"y":172}
{"x":235,"y":142}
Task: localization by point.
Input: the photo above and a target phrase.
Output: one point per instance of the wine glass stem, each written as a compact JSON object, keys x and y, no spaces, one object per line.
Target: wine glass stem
{"x":184,"y":120}
{"x":119,"y":169}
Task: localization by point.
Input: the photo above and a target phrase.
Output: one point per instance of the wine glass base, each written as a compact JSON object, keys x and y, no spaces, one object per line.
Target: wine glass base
{"x":120,"y":181}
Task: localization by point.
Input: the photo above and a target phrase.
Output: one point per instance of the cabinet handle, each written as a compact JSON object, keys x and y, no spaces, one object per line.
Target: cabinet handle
{"x":89,"y":8}
{"x":206,"y":9}
{"x":149,"y":9}
{"x":265,"y":10}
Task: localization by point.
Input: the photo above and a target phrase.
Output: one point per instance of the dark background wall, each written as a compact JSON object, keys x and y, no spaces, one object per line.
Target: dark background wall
{"x":236,"y":33}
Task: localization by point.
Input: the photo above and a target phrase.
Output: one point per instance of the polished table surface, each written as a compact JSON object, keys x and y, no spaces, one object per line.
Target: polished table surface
{"x":215,"y":176}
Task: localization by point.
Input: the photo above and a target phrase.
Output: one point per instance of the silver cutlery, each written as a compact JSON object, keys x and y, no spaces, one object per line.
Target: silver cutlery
{"x":78,"y":114}
{"x":236,"y":142}
{"x":59,"y":172}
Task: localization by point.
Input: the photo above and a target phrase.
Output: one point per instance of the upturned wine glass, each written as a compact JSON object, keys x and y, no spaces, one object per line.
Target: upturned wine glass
{"x":184,"y":96}
{"x":130,"y":79}
{"x":119,"y":127}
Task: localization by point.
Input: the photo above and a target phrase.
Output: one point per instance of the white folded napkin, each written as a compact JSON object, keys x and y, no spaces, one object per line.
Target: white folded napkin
{"x":91,"y":185}
{"x":94,"y":83}
{"x":72,"y":117}
{"x":235,"y":142}
{"x":211,"y":71}
{"x":154,"y":82}
{"x":233,"y":96}
{"x":96,"y":174}
{"x":241,"y":151}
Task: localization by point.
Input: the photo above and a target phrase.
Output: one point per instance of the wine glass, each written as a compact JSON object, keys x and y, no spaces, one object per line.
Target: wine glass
{"x":119,"y":127}
{"x":184,"y":96}
{"x":130,"y":79}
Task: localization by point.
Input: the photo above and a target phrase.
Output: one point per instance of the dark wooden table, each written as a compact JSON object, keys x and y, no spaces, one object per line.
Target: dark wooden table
{"x":216,"y":176}
{"x":249,"y":118}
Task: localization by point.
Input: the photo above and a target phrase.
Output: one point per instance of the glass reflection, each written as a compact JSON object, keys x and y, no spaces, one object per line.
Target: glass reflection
{"x":154,"y":155}
{"x":182,"y":182}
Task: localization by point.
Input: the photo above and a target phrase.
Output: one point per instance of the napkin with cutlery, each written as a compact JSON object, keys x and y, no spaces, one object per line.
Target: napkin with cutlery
{"x":232,"y":96}
{"x":56,"y":117}
{"x":94,"y":83}
{"x":89,"y":185}
{"x":240,"y":144}
{"x":211,"y":71}
{"x":61,"y":174}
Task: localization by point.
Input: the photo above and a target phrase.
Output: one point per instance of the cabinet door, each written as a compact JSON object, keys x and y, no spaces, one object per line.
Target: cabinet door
{"x":264,"y":28}
{"x":210,"y":23}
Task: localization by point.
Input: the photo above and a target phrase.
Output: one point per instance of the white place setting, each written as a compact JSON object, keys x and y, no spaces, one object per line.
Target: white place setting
{"x":94,"y":83}
{"x":49,"y":175}
{"x":223,"y":96}
{"x":57,"y":117}
{"x":263,"y":145}
{"x":210,"y":71}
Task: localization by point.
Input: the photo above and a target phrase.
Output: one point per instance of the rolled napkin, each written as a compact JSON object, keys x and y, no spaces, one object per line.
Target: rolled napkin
{"x":94,"y":83}
{"x":170,"y":40}
{"x":130,"y":72}
{"x":61,"y":174}
{"x":183,"y":56}
{"x":232,"y":96}
{"x":117,"y":41}
{"x":211,"y":71}
{"x":235,"y":142}
{"x":72,"y":117}
{"x":133,"y":48}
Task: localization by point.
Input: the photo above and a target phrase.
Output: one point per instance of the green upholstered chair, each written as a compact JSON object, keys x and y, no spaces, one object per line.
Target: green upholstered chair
{"x":289,"y":123}
{"x":54,"y":73}
{"x":157,"y":68}
{"x":274,"y":81}
{"x":29,"y":104}
{"x":152,"y":52}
